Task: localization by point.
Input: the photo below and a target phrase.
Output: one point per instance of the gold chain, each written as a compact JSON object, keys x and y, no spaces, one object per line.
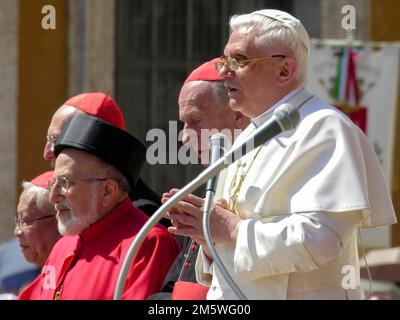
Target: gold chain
{"x":233,"y":198}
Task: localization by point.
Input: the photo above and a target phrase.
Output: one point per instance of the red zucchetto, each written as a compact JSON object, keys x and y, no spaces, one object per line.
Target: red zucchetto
{"x":205,"y":72}
{"x":99,"y":105}
{"x":43,"y":179}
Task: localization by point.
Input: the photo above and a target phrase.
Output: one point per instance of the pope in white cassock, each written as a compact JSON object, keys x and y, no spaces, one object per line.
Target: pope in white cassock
{"x":286,"y":224}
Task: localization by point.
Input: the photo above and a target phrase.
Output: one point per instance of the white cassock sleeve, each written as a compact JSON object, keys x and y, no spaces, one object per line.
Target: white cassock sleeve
{"x":203,"y":269}
{"x":297,"y":243}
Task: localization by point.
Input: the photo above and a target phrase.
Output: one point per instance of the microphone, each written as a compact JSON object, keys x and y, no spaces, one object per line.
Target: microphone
{"x":218,"y":144}
{"x":285,"y":118}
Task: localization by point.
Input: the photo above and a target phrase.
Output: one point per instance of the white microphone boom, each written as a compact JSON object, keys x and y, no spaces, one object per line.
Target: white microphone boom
{"x":285,"y":117}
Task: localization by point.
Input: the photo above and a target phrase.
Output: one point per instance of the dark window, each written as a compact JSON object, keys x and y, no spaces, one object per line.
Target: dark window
{"x":158,"y":43}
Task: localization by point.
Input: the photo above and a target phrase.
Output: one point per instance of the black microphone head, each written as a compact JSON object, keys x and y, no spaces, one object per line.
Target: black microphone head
{"x":287,"y":116}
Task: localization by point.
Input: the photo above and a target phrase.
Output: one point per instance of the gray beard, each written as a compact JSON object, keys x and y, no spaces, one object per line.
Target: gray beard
{"x":74,"y":224}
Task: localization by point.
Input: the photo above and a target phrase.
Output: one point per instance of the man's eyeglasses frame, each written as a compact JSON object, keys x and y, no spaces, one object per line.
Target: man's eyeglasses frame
{"x":234,"y":64}
{"x":63,"y":183}
{"x":23,"y":224}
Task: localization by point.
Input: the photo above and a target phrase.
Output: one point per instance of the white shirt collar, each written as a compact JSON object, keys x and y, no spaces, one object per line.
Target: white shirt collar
{"x":261,"y":118}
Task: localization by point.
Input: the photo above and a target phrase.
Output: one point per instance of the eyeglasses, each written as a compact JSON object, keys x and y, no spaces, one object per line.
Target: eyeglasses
{"x":22,"y":224}
{"x":52,"y":141}
{"x":63,"y":183}
{"x":234,"y":64}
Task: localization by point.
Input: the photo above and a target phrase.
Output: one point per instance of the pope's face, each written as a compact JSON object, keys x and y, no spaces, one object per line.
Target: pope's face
{"x":78,"y":207}
{"x":250,"y":86}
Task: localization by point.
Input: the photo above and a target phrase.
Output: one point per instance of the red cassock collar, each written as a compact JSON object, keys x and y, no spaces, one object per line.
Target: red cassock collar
{"x":110,"y":219}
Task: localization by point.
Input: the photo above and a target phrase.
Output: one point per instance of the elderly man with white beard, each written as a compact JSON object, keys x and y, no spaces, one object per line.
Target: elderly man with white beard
{"x":97,"y":165}
{"x":102,"y":106}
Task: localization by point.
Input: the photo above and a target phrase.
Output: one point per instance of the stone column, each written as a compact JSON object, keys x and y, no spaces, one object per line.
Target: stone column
{"x":8,"y":114}
{"x":91,"y":46}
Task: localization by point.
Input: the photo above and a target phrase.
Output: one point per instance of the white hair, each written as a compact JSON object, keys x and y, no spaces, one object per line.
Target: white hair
{"x":40,"y":195}
{"x":107,"y":170}
{"x":274,"y":27}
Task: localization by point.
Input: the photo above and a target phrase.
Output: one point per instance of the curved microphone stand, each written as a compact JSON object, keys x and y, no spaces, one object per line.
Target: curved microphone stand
{"x":286,"y":117}
{"x":201,"y":179}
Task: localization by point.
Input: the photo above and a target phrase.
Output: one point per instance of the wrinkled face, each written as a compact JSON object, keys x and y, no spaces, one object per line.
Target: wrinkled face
{"x":37,"y":237}
{"x":200,"y":112}
{"x":60,"y":117}
{"x":77,"y":208}
{"x":250,"y":87}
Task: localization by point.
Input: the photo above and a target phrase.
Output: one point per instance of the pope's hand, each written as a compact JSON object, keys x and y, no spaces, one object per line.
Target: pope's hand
{"x":186,"y":218}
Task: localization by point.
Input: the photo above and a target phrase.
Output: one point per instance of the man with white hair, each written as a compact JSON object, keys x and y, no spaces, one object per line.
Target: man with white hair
{"x":36,"y":233}
{"x":36,"y":223}
{"x":286,"y":227}
{"x":97,"y":165}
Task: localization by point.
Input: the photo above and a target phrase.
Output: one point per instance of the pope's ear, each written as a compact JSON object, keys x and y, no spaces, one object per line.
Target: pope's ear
{"x":287,"y":70}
